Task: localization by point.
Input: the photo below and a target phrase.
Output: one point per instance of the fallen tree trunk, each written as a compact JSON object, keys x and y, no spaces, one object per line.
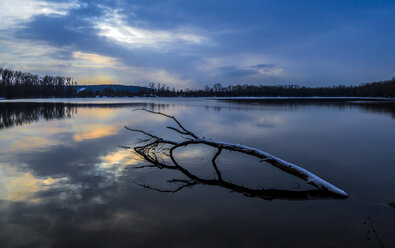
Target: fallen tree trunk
{"x":154,"y":145}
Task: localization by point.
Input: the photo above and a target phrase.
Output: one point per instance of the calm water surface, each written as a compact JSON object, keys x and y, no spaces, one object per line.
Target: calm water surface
{"x":66,"y":182}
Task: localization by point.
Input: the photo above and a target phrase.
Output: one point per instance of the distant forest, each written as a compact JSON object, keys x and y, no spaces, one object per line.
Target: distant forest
{"x":375,"y":89}
{"x":17,"y":84}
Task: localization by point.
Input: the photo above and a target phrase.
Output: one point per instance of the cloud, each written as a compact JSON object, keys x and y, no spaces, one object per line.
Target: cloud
{"x":33,"y":56}
{"x":86,"y":67}
{"x":184,"y":45}
{"x":13,"y":14}
{"x":263,"y":66}
{"x":105,"y":69}
{"x":113,"y":25}
{"x":234,"y":71}
{"x":93,"y":60}
{"x":241,"y":67}
{"x":267,"y":69}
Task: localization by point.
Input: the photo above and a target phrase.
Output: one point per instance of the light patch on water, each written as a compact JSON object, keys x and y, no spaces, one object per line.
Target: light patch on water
{"x":95,"y":131}
{"x":18,"y":185}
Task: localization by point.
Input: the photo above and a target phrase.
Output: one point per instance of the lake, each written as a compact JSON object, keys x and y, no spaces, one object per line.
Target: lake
{"x":67,"y":179}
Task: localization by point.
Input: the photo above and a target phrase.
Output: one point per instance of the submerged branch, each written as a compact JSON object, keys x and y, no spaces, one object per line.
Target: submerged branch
{"x":215,"y":164}
{"x":150,"y":150}
{"x":186,"y":132}
{"x":185,"y":183}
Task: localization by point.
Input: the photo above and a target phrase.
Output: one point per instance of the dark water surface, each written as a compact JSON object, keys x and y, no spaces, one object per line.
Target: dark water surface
{"x":66,"y":182}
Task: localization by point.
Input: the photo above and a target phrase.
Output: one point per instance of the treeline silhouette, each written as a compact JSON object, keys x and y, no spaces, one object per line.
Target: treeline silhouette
{"x":111,"y":92}
{"x":375,"y":89}
{"x":17,"y":84}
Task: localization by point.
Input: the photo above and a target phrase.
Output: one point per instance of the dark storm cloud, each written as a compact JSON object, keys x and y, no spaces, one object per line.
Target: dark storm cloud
{"x":253,"y":70}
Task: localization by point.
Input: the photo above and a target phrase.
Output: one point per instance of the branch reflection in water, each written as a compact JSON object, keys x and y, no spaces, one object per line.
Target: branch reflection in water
{"x":156,"y":151}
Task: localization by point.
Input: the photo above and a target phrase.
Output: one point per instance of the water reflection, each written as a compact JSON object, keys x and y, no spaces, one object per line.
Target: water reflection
{"x":193,"y":180}
{"x":22,"y":185}
{"x":95,"y":131}
{"x":20,"y":113}
{"x":63,"y":181}
{"x":372,"y":106}
{"x":16,"y":114}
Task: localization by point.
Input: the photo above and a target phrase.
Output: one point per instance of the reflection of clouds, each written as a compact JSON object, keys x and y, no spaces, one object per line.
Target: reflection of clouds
{"x":269,"y":121}
{"x":22,"y":186}
{"x":249,"y":124}
{"x":30,"y":143}
{"x":119,"y":157}
{"x":98,"y":113}
{"x":95,"y":206}
{"x":117,"y":220}
{"x":193,"y":151}
{"x":92,"y":123}
{"x":114,"y":163}
{"x":95,"y":131}
{"x":32,"y":137}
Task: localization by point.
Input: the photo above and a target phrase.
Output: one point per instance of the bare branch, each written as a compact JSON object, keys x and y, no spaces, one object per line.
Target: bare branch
{"x":142,"y":166}
{"x":177,"y":130}
{"x":142,"y":131}
{"x":173,"y":118}
{"x":157,"y":146}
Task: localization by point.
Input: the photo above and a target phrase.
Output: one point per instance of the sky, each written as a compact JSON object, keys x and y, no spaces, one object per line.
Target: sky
{"x":193,"y":43}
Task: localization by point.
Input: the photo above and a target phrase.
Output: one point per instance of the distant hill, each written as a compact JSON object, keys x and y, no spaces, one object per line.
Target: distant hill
{"x":114,"y":87}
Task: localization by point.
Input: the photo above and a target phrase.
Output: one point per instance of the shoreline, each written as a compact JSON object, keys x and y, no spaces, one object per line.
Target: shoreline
{"x":53,"y":99}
